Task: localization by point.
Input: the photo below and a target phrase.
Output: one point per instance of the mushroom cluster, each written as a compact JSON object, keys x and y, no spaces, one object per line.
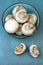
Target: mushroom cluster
{"x":20,"y":22}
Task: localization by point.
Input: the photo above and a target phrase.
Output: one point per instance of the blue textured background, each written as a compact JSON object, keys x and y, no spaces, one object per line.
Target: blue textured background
{"x":8,"y":43}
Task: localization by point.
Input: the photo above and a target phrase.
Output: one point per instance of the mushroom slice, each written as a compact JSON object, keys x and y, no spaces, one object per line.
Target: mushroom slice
{"x":34,"y":51}
{"x":20,"y":49}
{"x":28,"y":29}
{"x":33,"y":19}
{"x":19,"y":32}
{"x":11,"y":26}
{"x":16,"y":9}
{"x":9,"y":17}
{"x":21,"y":16}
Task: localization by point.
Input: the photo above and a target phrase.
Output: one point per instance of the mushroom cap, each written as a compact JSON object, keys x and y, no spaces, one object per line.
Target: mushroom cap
{"x":21,"y":16}
{"x":11,"y":26}
{"x":34,"y":51}
{"x":16,"y":9}
{"x":19,"y":31}
{"x":27,"y":30}
{"x":20,"y":49}
{"x":8,"y":17}
{"x":32,"y":19}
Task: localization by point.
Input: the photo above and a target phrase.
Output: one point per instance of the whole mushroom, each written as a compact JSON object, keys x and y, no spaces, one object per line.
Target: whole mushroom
{"x":16,"y":9}
{"x":32,"y":19}
{"x":21,"y":16}
{"x":19,"y":31}
{"x":28,"y":29}
{"x":11,"y":26}
{"x":10,"y":16}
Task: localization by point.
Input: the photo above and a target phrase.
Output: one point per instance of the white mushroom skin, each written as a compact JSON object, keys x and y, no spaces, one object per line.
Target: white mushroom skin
{"x":11,"y":26}
{"x":33,"y":19}
{"x":34,"y":51}
{"x":21,"y":16}
{"x":16,"y":9}
{"x":20,"y":49}
{"x":28,"y":29}
{"x":19,"y":32}
{"x":8,"y":17}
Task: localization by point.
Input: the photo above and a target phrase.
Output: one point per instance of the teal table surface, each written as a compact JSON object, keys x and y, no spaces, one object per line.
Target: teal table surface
{"x":8,"y":43}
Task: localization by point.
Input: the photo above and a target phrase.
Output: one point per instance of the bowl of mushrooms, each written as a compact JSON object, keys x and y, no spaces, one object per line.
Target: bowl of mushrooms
{"x":20,"y":20}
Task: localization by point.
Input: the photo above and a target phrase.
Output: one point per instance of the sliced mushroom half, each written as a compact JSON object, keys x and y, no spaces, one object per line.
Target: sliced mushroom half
{"x":34,"y":51}
{"x":20,"y":49}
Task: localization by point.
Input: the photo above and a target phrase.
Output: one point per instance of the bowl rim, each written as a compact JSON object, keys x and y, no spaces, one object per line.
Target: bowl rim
{"x":25,"y":4}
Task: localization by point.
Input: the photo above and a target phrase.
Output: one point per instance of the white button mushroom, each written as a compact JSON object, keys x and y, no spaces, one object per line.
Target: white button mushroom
{"x":21,"y":16}
{"x":33,"y":19}
{"x":16,"y":9}
{"x":34,"y":51}
{"x":28,"y":29}
{"x":8,"y":17}
{"x":20,"y":49}
{"x":11,"y":26}
{"x":19,"y":32}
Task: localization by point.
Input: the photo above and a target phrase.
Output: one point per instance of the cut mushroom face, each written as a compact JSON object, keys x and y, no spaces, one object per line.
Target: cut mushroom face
{"x":34,"y":51}
{"x":16,"y":9}
{"x":28,"y":29}
{"x":32,"y":19}
{"x":20,"y":49}
{"x":11,"y":26}
{"x":8,"y":17}
{"x":21,"y":16}
{"x":19,"y":32}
